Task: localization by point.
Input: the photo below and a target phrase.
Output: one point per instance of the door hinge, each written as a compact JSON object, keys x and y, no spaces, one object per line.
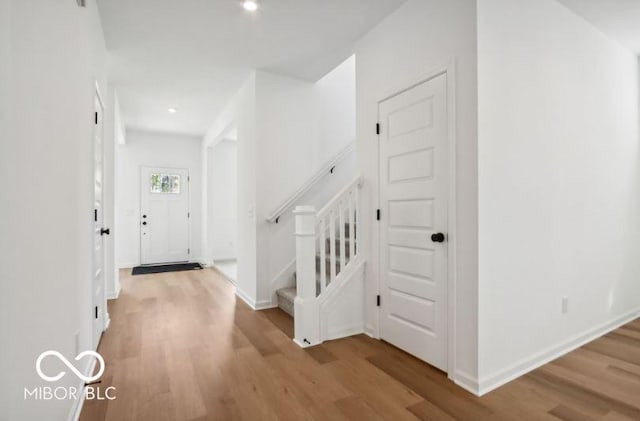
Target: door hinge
{"x":96,"y":117}
{"x":378,"y":301}
{"x":377,"y":214}
{"x":189,"y":179}
{"x":188,"y":251}
{"x":96,"y":312}
{"x":377,"y":128}
{"x":95,"y":215}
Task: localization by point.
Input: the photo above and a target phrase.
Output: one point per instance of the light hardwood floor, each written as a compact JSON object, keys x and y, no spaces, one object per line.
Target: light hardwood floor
{"x":181,"y":347}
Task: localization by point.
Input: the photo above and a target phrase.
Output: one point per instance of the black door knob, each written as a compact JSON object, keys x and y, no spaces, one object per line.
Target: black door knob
{"x":104,"y":231}
{"x":144,"y":216}
{"x":144,"y":223}
{"x":437,"y":237}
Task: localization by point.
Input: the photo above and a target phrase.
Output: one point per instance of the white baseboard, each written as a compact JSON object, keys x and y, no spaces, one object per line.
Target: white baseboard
{"x":265,"y":305}
{"x":128,"y":265}
{"x":76,"y":406}
{"x":466,"y":381}
{"x":255,"y":305}
{"x":224,"y":258}
{"x":337,"y":332}
{"x":489,"y":383}
{"x":246,"y":298}
{"x":370,"y":333}
{"x":203,"y":261}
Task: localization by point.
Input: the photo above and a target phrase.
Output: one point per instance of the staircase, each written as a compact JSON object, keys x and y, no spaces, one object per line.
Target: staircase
{"x":287,"y":296}
{"x":328,"y":267}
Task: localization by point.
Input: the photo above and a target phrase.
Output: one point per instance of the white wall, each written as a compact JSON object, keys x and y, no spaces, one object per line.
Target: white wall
{"x":420,"y":37}
{"x":558,"y":176}
{"x":56,"y":55}
{"x":301,"y":126}
{"x":222,"y":198}
{"x":144,"y":149}
{"x":287,"y":130}
{"x":240,"y":115}
{"x":5,"y":295}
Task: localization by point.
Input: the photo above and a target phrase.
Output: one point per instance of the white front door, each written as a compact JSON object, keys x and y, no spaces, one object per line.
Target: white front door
{"x":98,"y":281}
{"x":164,"y":216}
{"x":413,"y":222}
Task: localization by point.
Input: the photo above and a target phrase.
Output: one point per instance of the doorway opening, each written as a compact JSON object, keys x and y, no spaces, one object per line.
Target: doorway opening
{"x":222,"y":209}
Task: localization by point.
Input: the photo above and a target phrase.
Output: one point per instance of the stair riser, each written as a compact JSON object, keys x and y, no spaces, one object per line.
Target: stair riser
{"x":286,"y":305}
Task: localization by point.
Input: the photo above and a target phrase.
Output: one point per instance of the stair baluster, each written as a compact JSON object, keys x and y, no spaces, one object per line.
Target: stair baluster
{"x":312,"y":279}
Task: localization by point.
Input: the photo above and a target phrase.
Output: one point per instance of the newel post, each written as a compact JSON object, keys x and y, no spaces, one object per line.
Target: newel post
{"x":307,"y":318}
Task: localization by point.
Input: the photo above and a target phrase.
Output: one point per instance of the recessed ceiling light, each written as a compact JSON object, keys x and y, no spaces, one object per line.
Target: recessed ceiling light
{"x":172,"y":110}
{"x":250,"y":5}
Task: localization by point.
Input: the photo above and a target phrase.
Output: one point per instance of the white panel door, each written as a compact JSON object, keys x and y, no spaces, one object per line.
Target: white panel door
{"x":413,"y":220}
{"x":164,"y":216}
{"x":98,"y":281}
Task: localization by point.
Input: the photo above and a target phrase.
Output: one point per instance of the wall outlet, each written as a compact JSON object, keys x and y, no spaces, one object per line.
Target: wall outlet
{"x":565,"y":305}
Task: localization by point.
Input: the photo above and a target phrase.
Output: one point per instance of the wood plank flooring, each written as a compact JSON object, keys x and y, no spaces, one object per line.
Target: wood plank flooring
{"x":181,"y":347}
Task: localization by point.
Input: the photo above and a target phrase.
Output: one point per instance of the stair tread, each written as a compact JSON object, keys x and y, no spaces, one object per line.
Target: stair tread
{"x":289,"y":292}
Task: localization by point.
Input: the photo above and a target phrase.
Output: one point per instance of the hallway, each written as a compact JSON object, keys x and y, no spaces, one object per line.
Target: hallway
{"x":182,"y":347}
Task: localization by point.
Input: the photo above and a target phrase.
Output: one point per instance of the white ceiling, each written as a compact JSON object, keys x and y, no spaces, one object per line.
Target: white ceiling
{"x":194,"y":54}
{"x":619,"y":19}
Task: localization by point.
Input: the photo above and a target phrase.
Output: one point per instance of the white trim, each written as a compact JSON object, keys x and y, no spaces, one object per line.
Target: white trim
{"x":302,"y":345}
{"x":366,"y":332}
{"x":525,"y":365}
{"x":223,"y":258}
{"x":255,"y":305}
{"x":319,"y":175}
{"x":76,"y":407}
{"x":99,"y":129}
{"x":355,"y":268}
{"x":355,"y":182}
{"x":113,"y":295}
{"x":128,"y":265}
{"x":265,"y":305}
{"x":204,"y":262}
{"x":466,"y":381}
{"x":447,"y":68}
{"x":246,"y":298}
{"x":337,"y":332}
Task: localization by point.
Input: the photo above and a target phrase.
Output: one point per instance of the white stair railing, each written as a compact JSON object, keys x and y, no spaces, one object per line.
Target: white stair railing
{"x":339,"y":217}
{"x":327,"y":169}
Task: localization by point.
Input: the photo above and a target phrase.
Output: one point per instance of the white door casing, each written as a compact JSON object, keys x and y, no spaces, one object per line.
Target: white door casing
{"x":98,"y":256}
{"x":164,"y":215}
{"x":413,"y":196}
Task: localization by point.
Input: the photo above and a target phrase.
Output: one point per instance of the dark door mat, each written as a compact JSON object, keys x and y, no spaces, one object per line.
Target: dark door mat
{"x":145,"y":270}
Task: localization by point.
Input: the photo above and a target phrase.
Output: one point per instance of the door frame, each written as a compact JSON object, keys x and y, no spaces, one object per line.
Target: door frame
{"x":447,"y":69}
{"x":106,"y":319}
{"x":140,"y":180}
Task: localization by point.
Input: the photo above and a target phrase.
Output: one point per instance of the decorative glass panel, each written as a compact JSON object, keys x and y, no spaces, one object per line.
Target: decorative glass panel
{"x":165,"y":183}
